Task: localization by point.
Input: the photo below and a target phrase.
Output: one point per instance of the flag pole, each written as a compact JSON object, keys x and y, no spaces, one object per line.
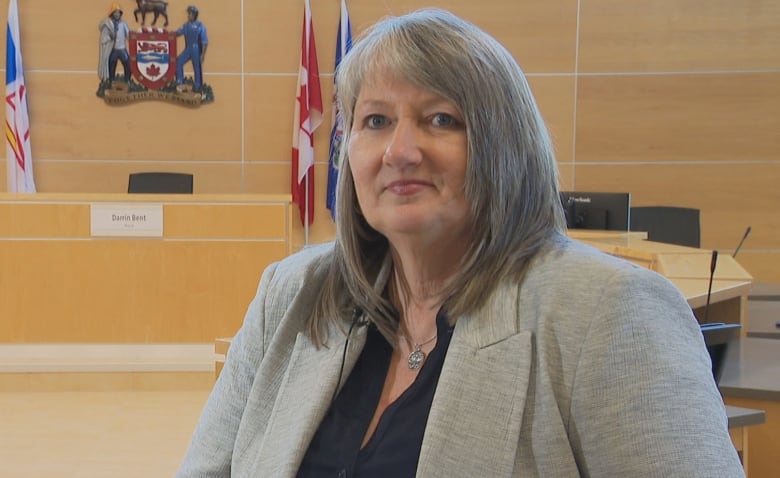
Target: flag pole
{"x":306,"y":216}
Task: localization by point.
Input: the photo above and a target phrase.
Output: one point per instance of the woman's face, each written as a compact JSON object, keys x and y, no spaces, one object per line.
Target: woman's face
{"x":407,"y":152}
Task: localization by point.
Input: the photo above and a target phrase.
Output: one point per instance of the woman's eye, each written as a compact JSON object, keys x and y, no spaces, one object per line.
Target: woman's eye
{"x":443,"y":120}
{"x":376,"y":121}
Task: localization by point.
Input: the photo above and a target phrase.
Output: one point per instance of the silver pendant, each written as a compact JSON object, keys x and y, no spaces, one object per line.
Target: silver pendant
{"x":416,"y":359}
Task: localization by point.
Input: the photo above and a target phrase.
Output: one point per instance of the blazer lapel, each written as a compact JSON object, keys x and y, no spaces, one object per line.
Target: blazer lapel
{"x":309,"y":383}
{"x":474,"y":424}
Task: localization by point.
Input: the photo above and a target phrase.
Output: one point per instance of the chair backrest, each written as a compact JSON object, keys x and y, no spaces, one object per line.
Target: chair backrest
{"x":160,"y":183}
{"x":670,"y":224}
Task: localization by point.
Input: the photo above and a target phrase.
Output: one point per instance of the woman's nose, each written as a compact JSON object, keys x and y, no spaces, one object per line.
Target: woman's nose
{"x":404,"y":148}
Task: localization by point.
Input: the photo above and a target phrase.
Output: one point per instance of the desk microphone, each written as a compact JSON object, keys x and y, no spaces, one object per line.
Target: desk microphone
{"x":713,"y":264}
{"x":739,"y":246}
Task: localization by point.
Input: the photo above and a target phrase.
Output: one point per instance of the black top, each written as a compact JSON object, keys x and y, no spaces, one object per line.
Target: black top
{"x":394,"y":449}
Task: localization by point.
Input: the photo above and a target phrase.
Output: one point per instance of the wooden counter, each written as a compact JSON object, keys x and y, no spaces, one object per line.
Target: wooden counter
{"x":58,"y":284}
{"x":687,"y":267}
{"x":763,"y":319}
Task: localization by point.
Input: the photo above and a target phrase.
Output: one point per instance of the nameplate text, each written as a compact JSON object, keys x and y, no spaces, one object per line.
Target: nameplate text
{"x":126,"y":220}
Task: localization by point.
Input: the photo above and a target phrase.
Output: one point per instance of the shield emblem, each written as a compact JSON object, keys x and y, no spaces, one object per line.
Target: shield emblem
{"x":153,"y":57}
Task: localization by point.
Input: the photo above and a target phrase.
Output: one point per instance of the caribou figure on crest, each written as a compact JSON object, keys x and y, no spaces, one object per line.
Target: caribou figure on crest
{"x":157,"y":7}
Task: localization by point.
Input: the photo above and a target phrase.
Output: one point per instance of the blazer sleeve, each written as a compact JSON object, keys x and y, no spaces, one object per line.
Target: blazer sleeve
{"x":211,"y":449}
{"x":644,"y":401}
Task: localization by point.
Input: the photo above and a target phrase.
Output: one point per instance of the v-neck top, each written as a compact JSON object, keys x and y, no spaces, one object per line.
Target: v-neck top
{"x":394,"y":448}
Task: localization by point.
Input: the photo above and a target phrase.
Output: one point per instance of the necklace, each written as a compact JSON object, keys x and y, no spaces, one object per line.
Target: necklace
{"x":417,"y":356}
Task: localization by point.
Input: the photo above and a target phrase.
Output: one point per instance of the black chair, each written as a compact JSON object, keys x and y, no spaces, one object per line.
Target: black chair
{"x":669,"y":224}
{"x":160,"y":183}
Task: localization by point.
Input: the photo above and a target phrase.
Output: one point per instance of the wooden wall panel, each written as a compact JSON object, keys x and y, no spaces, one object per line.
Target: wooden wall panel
{"x":521,"y":26}
{"x":272,"y":36}
{"x":111,"y":176}
{"x":72,"y":123}
{"x":725,"y":117}
{"x":271,"y":177}
{"x":678,"y":35}
{"x":764,"y":265}
{"x":555,"y":98}
{"x":566,"y":176}
{"x":268,"y":138}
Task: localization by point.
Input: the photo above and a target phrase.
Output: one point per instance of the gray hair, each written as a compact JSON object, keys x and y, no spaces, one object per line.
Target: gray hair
{"x":511,"y":182}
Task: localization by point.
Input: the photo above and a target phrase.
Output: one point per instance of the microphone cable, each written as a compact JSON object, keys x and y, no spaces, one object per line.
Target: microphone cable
{"x":356,"y":313}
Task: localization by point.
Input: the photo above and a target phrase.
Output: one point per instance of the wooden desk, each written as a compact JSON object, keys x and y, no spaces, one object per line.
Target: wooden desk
{"x":751,"y":379}
{"x":687,"y":267}
{"x":764,"y":291}
{"x":60,"y":285}
{"x":763,"y":317}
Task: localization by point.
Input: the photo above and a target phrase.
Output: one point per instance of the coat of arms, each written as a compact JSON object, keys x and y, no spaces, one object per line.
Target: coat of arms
{"x":152,"y":67}
{"x":154,"y":52}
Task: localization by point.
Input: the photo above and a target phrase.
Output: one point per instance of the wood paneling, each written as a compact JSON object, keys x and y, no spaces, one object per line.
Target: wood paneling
{"x":555,"y":98}
{"x":724,"y":117}
{"x":521,"y":26}
{"x":71,"y":123}
{"x":764,"y":265}
{"x":678,"y":35}
{"x":111,"y":176}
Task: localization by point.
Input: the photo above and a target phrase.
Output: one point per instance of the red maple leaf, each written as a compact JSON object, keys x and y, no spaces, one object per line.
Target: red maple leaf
{"x":153,"y":70}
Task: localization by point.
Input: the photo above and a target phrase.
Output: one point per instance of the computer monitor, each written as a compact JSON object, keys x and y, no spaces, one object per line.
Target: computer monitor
{"x":594,"y":210}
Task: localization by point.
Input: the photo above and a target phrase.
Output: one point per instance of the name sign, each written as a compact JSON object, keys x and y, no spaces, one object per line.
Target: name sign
{"x":126,"y":220}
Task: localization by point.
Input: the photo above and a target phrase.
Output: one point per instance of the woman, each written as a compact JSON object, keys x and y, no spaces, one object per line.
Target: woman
{"x":452,"y":329}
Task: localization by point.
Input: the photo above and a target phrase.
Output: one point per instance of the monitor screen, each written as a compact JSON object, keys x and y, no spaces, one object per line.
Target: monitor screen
{"x":589,"y":210}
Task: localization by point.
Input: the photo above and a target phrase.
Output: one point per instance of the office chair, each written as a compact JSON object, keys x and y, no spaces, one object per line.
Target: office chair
{"x":669,"y":224}
{"x":160,"y":183}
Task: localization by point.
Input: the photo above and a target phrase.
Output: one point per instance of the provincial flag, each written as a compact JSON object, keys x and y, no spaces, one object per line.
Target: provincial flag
{"x":308,"y":116}
{"x":19,"y":171}
{"x":343,"y":44}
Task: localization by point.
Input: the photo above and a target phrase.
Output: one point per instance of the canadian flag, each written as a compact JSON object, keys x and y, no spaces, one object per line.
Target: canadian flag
{"x":308,"y":116}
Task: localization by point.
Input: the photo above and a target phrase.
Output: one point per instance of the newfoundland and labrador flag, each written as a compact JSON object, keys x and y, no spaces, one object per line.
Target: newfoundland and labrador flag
{"x":308,"y":116}
{"x":343,"y":44}
{"x":19,"y":171}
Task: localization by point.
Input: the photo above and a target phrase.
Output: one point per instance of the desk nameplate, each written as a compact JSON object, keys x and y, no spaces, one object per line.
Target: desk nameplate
{"x":126,"y":220}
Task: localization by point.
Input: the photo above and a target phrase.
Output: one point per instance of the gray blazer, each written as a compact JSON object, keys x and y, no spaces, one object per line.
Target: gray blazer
{"x":590,"y":367}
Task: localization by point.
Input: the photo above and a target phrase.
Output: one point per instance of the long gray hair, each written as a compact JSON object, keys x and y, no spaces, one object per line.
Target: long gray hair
{"x":511,"y":182}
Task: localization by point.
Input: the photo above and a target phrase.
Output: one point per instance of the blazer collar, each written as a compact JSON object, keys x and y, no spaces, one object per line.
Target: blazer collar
{"x":310,"y":382}
{"x":474,"y":425}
